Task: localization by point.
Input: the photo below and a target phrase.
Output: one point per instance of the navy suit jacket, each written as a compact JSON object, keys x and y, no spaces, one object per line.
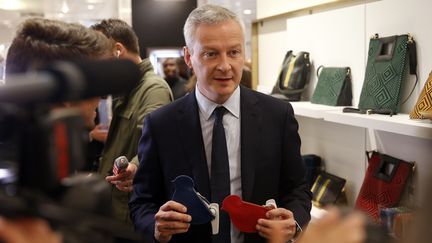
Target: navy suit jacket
{"x":172,"y":145}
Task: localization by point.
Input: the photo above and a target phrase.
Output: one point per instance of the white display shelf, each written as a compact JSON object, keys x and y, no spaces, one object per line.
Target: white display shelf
{"x":307,"y":109}
{"x":399,"y":124}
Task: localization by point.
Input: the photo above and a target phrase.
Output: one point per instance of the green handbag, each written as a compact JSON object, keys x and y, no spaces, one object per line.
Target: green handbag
{"x":385,"y":72}
{"x":333,"y":86}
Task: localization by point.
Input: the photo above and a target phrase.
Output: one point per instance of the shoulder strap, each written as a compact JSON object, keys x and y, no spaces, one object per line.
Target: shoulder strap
{"x":412,"y":60}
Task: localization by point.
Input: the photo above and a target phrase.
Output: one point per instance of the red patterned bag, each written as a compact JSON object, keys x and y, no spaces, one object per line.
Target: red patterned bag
{"x":385,"y":181}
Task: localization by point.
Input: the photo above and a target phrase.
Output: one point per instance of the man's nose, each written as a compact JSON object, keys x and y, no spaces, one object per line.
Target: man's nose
{"x":224,"y":63}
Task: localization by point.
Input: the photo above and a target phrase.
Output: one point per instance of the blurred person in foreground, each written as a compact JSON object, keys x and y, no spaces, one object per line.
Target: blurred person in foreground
{"x":41,"y":41}
{"x":331,"y":228}
{"x":38,"y":42}
{"x":128,"y":112}
{"x":27,"y":230}
{"x":259,"y":159}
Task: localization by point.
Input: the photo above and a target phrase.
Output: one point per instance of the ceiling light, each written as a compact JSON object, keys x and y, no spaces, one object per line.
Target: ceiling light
{"x":90,"y":7}
{"x":247,"y":11}
{"x":65,"y":8}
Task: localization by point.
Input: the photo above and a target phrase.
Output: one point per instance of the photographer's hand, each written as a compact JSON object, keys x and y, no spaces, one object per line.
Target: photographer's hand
{"x":332,"y":228}
{"x":123,"y":180}
{"x":171,"y":219}
{"x":27,"y":230}
{"x":279,"y":219}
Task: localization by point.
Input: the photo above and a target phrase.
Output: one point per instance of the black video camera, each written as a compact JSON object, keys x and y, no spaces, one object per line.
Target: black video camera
{"x":42,"y":149}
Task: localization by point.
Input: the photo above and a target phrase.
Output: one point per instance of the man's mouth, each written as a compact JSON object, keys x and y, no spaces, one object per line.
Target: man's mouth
{"x":223,"y":79}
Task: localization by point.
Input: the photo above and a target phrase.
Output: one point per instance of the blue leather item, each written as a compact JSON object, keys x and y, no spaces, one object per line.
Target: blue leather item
{"x":197,"y":205}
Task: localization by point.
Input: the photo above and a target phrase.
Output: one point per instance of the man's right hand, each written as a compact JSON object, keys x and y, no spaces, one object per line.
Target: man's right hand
{"x":171,"y":219}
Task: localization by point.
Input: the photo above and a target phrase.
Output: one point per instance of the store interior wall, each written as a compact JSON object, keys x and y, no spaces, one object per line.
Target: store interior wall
{"x":340,"y":37}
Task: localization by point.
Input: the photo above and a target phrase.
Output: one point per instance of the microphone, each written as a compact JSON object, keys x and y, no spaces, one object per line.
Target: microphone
{"x":71,"y":80}
{"x":120,"y":164}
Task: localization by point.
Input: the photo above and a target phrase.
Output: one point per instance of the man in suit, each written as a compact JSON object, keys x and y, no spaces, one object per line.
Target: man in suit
{"x":262,"y":145}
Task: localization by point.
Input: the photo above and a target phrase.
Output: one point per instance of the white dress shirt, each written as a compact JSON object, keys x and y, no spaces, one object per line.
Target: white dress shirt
{"x":231,"y":123}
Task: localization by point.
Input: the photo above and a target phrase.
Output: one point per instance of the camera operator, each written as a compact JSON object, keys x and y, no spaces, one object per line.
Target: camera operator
{"x":38,"y":42}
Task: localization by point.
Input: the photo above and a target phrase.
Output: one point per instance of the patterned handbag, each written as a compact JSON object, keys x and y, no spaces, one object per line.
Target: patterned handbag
{"x":385,"y":72}
{"x":333,"y":86}
{"x":293,"y":77}
{"x":384,"y":183}
{"x":424,"y":102}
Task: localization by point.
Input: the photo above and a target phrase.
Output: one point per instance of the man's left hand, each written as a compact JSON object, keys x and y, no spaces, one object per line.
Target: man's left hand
{"x":278,"y":220}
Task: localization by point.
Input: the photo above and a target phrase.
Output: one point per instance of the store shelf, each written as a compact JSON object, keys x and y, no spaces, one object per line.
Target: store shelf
{"x":399,"y":124}
{"x":307,"y":109}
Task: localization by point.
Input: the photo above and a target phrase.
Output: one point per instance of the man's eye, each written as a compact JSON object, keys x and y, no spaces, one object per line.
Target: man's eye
{"x":235,"y":53}
{"x":209,"y":54}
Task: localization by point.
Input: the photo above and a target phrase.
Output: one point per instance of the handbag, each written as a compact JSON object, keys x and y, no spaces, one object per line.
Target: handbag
{"x":333,"y":86}
{"x":384,"y":183}
{"x":313,"y":167}
{"x":326,"y":189}
{"x":424,"y":102}
{"x":385,"y":72}
{"x":293,"y":76}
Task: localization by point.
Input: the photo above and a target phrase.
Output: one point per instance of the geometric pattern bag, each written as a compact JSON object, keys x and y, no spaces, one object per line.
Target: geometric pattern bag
{"x":385,"y":72}
{"x":424,"y":102}
{"x":333,"y":86}
{"x":385,"y":181}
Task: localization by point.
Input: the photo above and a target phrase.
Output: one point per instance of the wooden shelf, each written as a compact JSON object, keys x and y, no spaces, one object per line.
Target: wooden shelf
{"x":399,"y":124}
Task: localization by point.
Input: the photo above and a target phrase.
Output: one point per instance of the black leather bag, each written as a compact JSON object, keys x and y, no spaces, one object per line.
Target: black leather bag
{"x":293,"y":77}
{"x":327,"y":189}
{"x":313,"y":167}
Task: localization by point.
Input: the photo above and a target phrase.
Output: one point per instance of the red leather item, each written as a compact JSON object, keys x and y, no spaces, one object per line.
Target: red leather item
{"x":243,"y":215}
{"x":381,"y":188}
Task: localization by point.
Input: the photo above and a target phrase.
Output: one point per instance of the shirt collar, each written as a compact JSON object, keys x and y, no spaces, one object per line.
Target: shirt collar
{"x":207,"y":106}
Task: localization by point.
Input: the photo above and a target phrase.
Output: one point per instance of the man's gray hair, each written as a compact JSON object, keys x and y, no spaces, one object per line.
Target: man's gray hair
{"x":207,"y":14}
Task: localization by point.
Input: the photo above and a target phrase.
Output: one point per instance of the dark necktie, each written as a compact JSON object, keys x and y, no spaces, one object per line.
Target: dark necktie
{"x":220,"y":177}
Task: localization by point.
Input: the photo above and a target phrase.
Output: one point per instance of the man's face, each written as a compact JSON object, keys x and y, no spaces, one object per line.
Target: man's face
{"x":217,"y":58}
{"x":170,"y":68}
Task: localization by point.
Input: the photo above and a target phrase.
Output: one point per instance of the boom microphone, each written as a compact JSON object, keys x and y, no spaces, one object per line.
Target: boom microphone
{"x":71,"y":80}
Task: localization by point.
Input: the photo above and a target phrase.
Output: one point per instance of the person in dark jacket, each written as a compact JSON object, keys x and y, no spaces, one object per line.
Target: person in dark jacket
{"x":259,"y":159}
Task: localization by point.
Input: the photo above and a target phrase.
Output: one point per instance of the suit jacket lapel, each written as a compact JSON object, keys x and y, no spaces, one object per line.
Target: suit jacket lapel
{"x":191,"y":137}
{"x":251,"y":132}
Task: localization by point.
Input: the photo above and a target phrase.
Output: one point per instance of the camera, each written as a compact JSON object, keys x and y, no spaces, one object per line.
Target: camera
{"x":42,"y":150}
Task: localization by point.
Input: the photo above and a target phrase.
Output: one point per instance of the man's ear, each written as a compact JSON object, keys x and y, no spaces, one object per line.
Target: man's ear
{"x":187,"y":57}
{"x":119,"y":49}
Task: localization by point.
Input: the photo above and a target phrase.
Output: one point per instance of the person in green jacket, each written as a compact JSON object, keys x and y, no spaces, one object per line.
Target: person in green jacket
{"x":128,"y":112}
